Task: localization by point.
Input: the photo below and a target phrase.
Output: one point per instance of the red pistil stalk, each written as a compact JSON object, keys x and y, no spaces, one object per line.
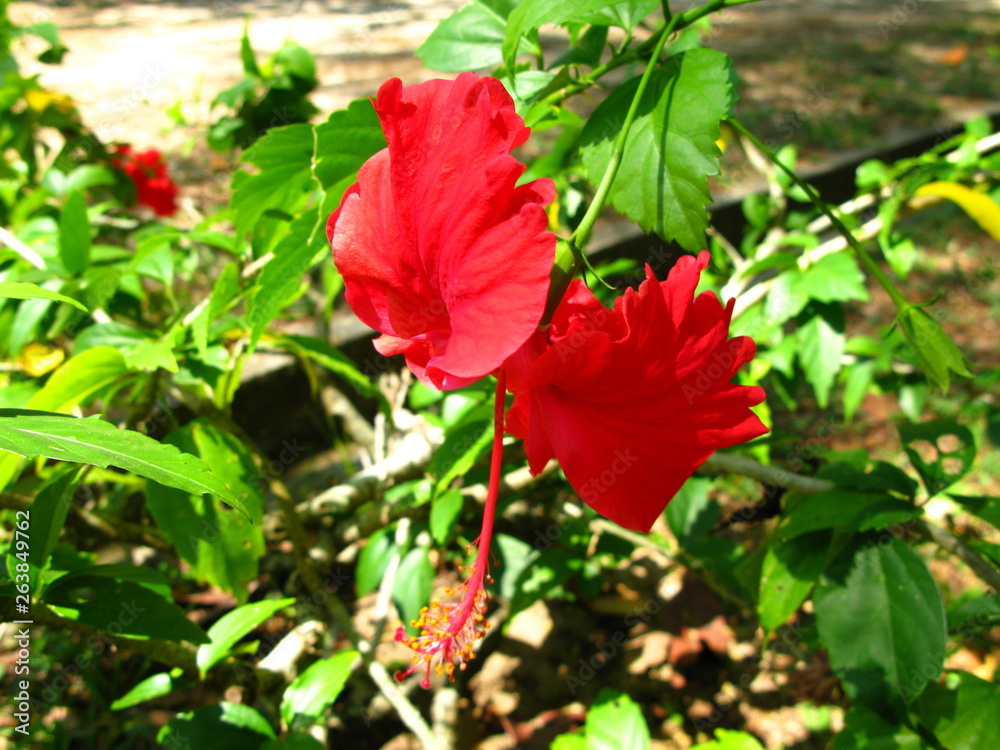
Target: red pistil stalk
{"x":449,"y":631}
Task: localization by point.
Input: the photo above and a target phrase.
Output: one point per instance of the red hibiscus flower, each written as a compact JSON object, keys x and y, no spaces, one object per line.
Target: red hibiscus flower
{"x":441,"y":251}
{"x":148,"y":171}
{"x":632,"y":400}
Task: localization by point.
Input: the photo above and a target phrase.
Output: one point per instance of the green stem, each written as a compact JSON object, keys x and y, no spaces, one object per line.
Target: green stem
{"x":680,"y":21}
{"x":582,"y":233}
{"x":674,"y":22}
{"x":866,"y":259}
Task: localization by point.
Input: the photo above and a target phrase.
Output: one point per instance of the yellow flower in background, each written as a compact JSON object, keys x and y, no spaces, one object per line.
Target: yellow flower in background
{"x":38,"y":359}
{"x":40,"y":99}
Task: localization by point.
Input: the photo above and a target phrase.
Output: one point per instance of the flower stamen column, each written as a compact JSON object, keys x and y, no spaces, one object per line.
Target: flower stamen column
{"x":449,"y":631}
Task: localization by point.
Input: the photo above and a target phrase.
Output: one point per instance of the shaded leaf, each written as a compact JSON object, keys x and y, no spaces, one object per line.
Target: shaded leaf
{"x":224,"y":726}
{"x":937,"y":470}
{"x":222,"y":547}
{"x":93,"y":598}
{"x":789,"y":571}
{"x":233,"y":626}
{"x":313,"y":691}
{"x":152,"y":687}
{"x":963,"y":716}
{"x":879,"y":587}
{"x":867,"y":730}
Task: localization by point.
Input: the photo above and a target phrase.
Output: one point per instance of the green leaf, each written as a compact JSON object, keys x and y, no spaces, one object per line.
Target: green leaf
{"x":152,"y":687}
{"x":326,"y":355}
{"x":615,"y":722}
{"x":374,"y":559}
{"x":94,"y":441}
{"x":458,"y":454}
{"x":48,"y":513}
{"x":569,"y":742}
{"x":963,"y":716}
{"x":283,"y":157}
{"x":282,"y":275}
{"x":28,"y":320}
{"x":670,"y":151}
{"x":530,"y":14}
{"x":692,"y":514}
{"x":445,"y":509}
{"x":81,"y":379}
{"x":247,"y":57}
{"x":88,"y":176}
{"x":858,"y":380}
{"x":880,"y":616}
{"x":93,"y":598}
{"x":313,"y":691}
{"x":826,"y":510}
{"x":867,"y":730}
{"x":344,"y":142}
{"x":112,"y":334}
{"x":469,"y":39}
{"x":623,"y":14}
{"x":728,"y":739}
{"x":286,"y":158}
{"x":414,"y":584}
{"x":938,"y":354}
{"x":222,"y":547}
{"x":938,"y":470}
{"x":296,"y":60}
{"x":975,"y":615}
{"x":881,"y":476}
{"x":790,"y":569}
{"x":543,"y":578}
{"x":74,"y":233}
{"x":22,"y":290}
{"x":833,"y":278}
{"x":294,"y":741}
{"x":150,"y":356}
{"x":821,"y":345}
{"x":224,"y":726}
{"x":900,"y":253}
{"x":233,"y":626}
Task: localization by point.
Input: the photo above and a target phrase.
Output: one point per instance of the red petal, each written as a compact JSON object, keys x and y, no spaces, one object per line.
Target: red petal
{"x":436,"y":242}
{"x":631,"y":417}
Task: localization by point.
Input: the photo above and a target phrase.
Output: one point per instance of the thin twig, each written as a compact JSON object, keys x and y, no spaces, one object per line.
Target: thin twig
{"x":22,"y":249}
{"x":444,"y":716}
{"x":733,"y":464}
{"x":407,"y":460}
{"x":946,"y":540}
